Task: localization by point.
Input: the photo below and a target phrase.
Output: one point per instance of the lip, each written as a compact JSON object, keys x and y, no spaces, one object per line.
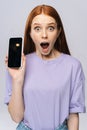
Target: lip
{"x":44,"y":45}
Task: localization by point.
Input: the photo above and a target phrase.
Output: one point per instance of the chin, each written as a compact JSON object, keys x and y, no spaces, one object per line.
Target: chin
{"x":46,"y":53}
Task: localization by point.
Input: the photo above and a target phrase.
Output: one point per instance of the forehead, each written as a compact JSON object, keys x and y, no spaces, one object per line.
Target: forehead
{"x":42,"y":18}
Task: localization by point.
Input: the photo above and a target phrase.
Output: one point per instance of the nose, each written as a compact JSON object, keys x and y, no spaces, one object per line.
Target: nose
{"x":44,"y":34}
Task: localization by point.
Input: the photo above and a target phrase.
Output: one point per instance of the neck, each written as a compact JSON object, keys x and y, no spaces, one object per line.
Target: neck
{"x":52,"y":55}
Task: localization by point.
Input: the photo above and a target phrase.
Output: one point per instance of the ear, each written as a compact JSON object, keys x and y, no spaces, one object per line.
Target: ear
{"x":59,"y":31}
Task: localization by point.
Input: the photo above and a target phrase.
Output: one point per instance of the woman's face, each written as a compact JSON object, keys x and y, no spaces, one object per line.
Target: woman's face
{"x":44,"y":33}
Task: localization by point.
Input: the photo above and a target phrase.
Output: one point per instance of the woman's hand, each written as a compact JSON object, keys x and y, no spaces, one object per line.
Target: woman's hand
{"x":73,"y":121}
{"x":17,"y":74}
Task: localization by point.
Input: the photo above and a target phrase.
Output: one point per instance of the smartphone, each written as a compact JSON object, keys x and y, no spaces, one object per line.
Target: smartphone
{"x":14,"y":52}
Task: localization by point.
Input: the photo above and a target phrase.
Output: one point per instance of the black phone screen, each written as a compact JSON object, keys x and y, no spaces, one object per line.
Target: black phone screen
{"x":14,"y":53}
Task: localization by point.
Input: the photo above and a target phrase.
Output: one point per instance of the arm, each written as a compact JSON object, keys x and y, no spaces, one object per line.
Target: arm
{"x":73,"y":121}
{"x":16,"y":105}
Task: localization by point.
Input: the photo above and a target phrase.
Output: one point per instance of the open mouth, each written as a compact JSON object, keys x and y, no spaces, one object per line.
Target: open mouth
{"x":44,"y":45}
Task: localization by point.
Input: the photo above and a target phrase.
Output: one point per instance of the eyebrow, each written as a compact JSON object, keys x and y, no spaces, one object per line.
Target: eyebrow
{"x":47,"y":24}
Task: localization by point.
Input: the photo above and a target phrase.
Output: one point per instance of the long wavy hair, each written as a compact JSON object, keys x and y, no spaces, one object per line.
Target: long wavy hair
{"x":60,"y":44}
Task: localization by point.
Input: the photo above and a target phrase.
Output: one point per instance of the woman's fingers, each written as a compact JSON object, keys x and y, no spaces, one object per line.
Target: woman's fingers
{"x":23,"y":60}
{"x":6,"y":60}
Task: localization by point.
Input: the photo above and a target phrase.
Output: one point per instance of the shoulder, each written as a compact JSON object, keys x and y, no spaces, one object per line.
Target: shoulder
{"x":72,"y":61}
{"x":31,"y":61}
{"x":30,"y":57}
{"x":75,"y":65}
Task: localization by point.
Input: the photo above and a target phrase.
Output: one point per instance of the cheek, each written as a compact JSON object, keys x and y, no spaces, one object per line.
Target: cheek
{"x":34,"y":37}
{"x":54,"y":38}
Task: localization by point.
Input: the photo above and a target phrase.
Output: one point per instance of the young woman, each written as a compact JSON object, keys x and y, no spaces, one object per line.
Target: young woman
{"x":47,"y":92}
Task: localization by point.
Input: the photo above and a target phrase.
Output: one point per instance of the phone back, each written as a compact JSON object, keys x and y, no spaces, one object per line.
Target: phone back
{"x":14,"y":54}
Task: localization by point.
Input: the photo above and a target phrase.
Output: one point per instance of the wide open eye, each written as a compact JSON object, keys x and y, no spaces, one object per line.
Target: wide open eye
{"x":51,"y":28}
{"x":37,"y":28}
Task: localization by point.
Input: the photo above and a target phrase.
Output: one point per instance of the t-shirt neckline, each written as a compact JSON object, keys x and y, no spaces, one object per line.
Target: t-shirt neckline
{"x":54,"y":60}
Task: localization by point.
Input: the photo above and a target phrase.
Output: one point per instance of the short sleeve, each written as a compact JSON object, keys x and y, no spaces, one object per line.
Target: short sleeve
{"x":8,"y":89}
{"x":77,"y":100}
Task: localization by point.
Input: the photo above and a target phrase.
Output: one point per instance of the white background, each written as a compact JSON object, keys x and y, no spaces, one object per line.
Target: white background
{"x":13,"y":15}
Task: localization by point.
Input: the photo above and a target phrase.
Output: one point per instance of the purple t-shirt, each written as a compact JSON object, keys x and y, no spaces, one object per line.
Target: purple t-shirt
{"x":52,"y":89}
